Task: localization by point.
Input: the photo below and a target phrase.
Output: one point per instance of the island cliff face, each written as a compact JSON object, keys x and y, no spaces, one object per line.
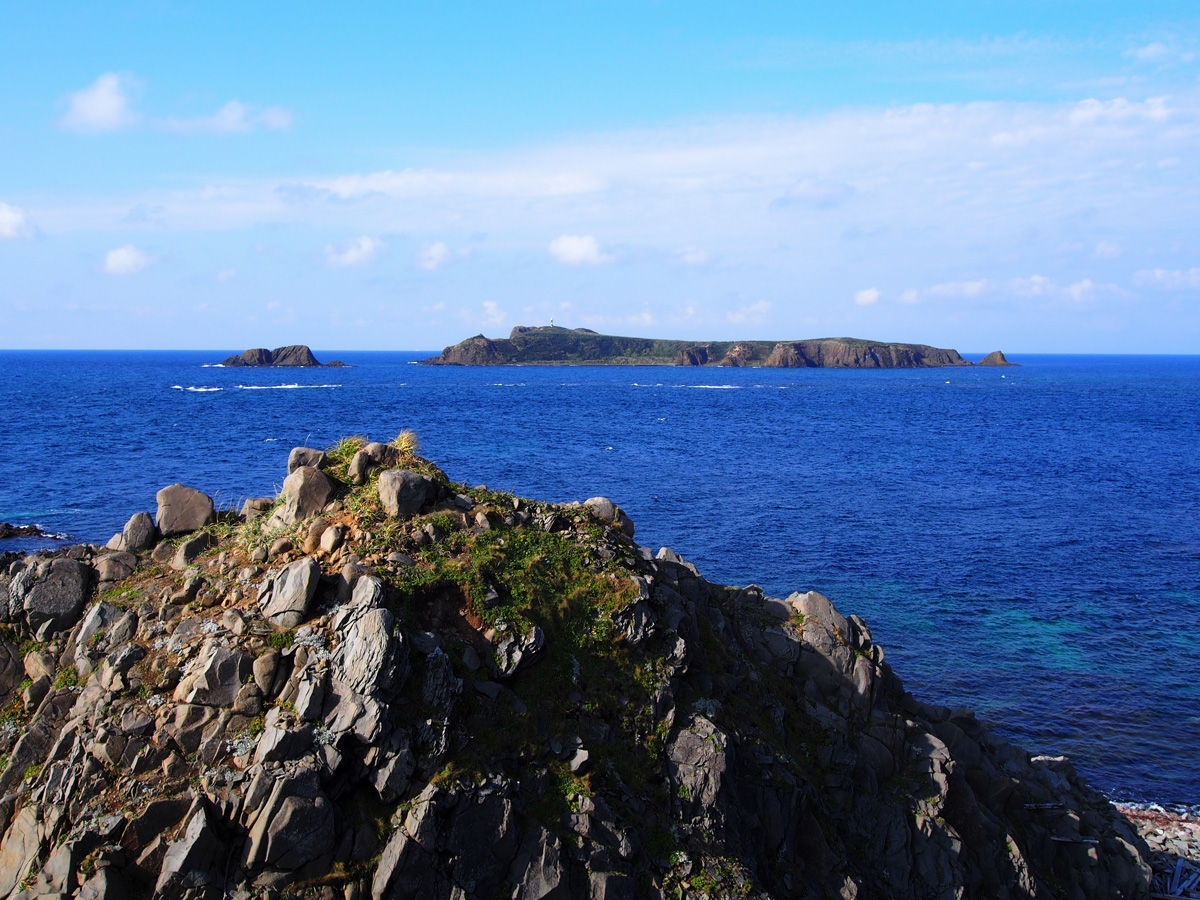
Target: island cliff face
{"x":294,"y":355}
{"x":383,"y":684}
{"x":562,"y":346}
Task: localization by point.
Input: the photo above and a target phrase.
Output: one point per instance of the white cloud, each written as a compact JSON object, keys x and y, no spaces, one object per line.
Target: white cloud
{"x":645,"y":318}
{"x":910,"y":297}
{"x":690,"y":256}
{"x":493,"y":314}
{"x":754,"y":314}
{"x":234,"y":117}
{"x":102,"y":106}
{"x":1107,"y":250}
{"x":125,"y":260}
{"x":1149,"y":53}
{"x":1082,"y":291}
{"x":226,"y":274}
{"x":15,"y":224}
{"x":578,"y":250}
{"x":867,"y":296}
{"x":962,"y":289}
{"x":1171,"y":279}
{"x":433,"y":255}
{"x":815,"y":193}
{"x":1033,"y":286}
{"x":1088,"y":112}
{"x":356,"y":252}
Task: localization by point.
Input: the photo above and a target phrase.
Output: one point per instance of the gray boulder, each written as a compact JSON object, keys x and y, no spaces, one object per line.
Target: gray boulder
{"x":215,"y":677}
{"x":138,"y":535}
{"x":115,"y":566}
{"x":513,"y":652}
{"x":305,"y":493}
{"x":187,"y":552}
{"x":369,"y":657}
{"x":56,"y":599}
{"x":183,"y":509}
{"x":294,"y":827}
{"x":607,"y":511}
{"x":540,"y":869}
{"x":193,"y":864}
{"x":483,"y":841}
{"x":285,"y":599}
{"x":254,"y":507}
{"x":11,"y":669}
{"x":305,"y":456}
{"x":402,"y":492}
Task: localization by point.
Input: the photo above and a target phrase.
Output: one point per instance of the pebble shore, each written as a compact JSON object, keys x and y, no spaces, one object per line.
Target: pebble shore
{"x":1173,"y":834}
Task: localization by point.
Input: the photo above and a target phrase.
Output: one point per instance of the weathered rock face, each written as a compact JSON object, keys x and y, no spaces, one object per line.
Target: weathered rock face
{"x":292,"y":355}
{"x":286,"y":596}
{"x":54,"y":602}
{"x":502,"y":698}
{"x":841,"y":353}
{"x":402,"y":492}
{"x":305,"y":456}
{"x":183,"y":509}
{"x":138,"y":535}
{"x":477,"y":351}
{"x":305,"y":492}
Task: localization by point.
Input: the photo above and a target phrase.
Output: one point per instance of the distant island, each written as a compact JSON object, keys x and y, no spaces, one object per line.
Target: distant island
{"x":294,"y":355}
{"x":550,"y":345}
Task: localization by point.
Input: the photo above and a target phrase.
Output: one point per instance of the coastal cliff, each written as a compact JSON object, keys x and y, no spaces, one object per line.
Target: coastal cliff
{"x":580,"y":346}
{"x":385,"y":684}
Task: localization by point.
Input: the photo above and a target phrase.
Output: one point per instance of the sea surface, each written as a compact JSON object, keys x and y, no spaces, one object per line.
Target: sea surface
{"x":1022,"y":541}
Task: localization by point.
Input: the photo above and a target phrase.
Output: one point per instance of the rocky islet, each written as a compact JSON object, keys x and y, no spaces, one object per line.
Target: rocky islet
{"x":291,"y":356}
{"x":551,"y":345}
{"x":468,"y":693}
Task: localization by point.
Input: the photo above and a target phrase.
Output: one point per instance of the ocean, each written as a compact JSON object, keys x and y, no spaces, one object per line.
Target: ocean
{"x":1022,"y":541}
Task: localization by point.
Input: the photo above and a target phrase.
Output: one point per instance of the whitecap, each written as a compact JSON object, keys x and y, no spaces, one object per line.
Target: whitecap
{"x":283,"y":387}
{"x":716,"y":387}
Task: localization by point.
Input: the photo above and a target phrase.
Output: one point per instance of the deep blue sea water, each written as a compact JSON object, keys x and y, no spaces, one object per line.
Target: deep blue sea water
{"x":1022,"y":541}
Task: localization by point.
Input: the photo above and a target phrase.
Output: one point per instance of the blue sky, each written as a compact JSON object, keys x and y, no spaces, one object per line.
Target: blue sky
{"x":982,"y":175}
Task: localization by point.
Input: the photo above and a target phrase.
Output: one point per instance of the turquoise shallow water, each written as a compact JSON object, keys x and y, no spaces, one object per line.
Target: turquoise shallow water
{"x":1023,"y":541}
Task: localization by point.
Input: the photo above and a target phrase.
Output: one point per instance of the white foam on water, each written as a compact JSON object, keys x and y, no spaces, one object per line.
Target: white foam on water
{"x":212,"y":365}
{"x":195,"y":390}
{"x":716,"y":387}
{"x":283,"y":387}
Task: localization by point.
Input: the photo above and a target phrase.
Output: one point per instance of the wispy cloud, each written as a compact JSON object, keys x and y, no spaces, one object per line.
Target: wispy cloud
{"x":579,"y":250}
{"x":104,"y":105}
{"x":814,"y":193}
{"x":354,"y":253}
{"x":15,"y":224}
{"x":234,"y":117}
{"x":107,"y":105}
{"x":751,"y":314}
{"x":125,"y":260}
{"x":433,"y":255}
{"x":1168,"y":279}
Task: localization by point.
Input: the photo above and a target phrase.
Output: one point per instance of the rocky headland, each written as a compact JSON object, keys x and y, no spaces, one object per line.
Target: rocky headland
{"x":527,"y":346}
{"x":292,"y":356}
{"x":383,"y":684}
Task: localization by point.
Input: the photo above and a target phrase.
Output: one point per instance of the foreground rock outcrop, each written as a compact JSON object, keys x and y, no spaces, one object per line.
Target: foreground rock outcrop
{"x":411,"y":688}
{"x":581,"y":346}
